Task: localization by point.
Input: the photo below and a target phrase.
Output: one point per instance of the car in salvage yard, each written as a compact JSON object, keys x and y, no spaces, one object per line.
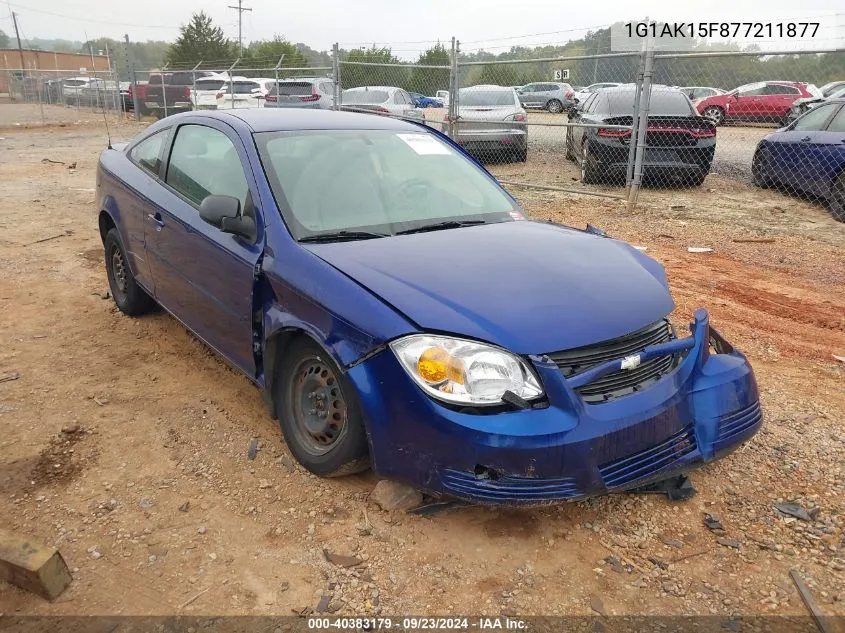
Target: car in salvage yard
{"x":679,"y":144}
{"x":387,"y":100}
{"x":807,"y":156}
{"x":491,"y":123}
{"x":341,"y":261}
{"x":554,"y":97}
{"x":764,"y":101}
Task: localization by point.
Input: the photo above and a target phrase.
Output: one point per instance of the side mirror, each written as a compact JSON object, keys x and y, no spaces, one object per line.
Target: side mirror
{"x":223,"y":212}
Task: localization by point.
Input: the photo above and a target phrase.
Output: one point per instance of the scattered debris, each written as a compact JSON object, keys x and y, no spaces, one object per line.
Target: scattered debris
{"x":70,"y":430}
{"x":678,"y":207}
{"x":699,"y":249}
{"x":436,"y":507}
{"x":202,"y":529}
{"x":184,"y":507}
{"x":754,"y":240}
{"x":640,"y":248}
{"x":672,"y":542}
{"x":26,"y":563}
{"x":102,"y":402}
{"x":341,"y":560}
{"x":597,"y":605}
{"x":10,"y":376}
{"x":793,"y":510}
{"x":7,"y":408}
{"x":712,"y":522}
{"x":659,"y":562}
{"x":252,"y":448}
{"x":54,"y":162}
{"x":678,"y":488}
{"x":72,"y":166}
{"x":391,"y":495}
{"x":728,"y":542}
{"x":264,"y":484}
{"x":811,"y":604}
{"x":145,"y":504}
{"x":841,"y":359}
{"x":667,"y":236}
{"x":52,"y":237}
{"x":192,"y":598}
{"x":680,"y":558}
{"x":323,"y":605}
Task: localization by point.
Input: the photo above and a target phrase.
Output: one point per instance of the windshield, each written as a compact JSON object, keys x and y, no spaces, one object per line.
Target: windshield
{"x":293,"y":88}
{"x":364,"y":96}
{"x":472,"y":97}
{"x":381,"y":181}
{"x":210,"y":84}
{"x":662,"y":103}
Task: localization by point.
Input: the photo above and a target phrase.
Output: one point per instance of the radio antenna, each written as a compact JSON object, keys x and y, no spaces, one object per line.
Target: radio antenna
{"x":100,"y":98}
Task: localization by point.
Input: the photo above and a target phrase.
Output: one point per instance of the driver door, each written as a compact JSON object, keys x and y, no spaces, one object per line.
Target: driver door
{"x":747,"y":104}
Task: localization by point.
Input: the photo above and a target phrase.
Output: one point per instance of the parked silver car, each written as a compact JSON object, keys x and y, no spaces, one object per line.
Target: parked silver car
{"x":581,"y":96}
{"x":700,"y":92}
{"x":382,"y":99}
{"x":492,"y":122}
{"x":316,"y":93}
{"x":552,"y":96}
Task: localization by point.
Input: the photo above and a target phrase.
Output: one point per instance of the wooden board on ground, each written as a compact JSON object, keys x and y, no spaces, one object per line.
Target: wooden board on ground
{"x":31,"y":566}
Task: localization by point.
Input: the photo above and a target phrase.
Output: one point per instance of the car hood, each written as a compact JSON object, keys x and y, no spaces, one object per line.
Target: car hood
{"x":530,"y":287}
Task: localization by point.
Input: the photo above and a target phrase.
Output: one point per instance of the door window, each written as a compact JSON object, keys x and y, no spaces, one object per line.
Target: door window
{"x":815,"y":119}
{"x":204,"y":162}
{"x":778,"y":89}
{"x":147,"y":153}
{"x":838,"y":123}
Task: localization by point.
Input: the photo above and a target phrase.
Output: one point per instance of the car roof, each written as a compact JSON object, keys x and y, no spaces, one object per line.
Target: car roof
{"x":282,"y":119}
{"x":368,"y":88}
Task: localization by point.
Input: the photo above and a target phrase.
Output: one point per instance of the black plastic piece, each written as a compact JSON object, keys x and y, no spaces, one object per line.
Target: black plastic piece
{"x":518,"y":401}
{"x":678,"y":488}
{"x":595,"y":230}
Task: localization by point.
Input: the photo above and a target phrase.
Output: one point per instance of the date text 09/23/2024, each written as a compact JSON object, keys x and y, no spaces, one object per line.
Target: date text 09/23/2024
{"x":495,"y":623}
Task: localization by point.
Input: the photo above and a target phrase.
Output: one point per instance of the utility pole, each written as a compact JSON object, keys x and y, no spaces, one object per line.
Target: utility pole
{"x":18,"y":37}
{"x":240,"y":9}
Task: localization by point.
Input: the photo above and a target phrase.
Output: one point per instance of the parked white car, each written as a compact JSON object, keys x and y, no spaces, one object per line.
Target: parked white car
{"x":204,"y":92}
{"x":581,"y":95}
{"x":382,"y":99}
{"x":443,"y":95}
{"x":73,"y":88}
{"x":243,"y":92}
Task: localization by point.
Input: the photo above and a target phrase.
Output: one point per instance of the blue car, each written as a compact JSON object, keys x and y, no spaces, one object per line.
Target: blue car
{"x":807,"y":156}
{"x":397,"y":311}
{"x":421,"y":101}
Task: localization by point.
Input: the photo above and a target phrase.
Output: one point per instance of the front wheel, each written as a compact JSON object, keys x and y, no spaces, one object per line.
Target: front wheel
{"x":836,"y":202}
{"x":554,"y":106}
{"x":758,"y":173}
{"x":715,"y":114}
{"x":696,"y":180}
{"x":318,"y":412}
{"x":129,"y":297}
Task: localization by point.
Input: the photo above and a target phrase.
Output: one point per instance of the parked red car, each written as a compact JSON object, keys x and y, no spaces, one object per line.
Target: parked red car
{"x":761,"y":101}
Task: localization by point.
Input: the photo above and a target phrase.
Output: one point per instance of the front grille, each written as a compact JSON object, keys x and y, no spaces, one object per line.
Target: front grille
{"x":651,"y":461}
{"x":509,"y":487}
{"x":624,"y":382}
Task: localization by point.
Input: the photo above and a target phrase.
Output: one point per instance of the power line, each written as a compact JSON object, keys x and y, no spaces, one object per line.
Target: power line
{"x":520,"y":37}
{"x":240,"y":9}
{"x":77,"y":19}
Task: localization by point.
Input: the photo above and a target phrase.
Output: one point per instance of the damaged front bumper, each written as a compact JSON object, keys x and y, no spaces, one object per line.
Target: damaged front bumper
{"x":707,"y":406}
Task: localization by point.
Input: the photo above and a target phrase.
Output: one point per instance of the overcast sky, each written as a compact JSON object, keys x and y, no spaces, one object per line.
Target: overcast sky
{"x":407,"y":25}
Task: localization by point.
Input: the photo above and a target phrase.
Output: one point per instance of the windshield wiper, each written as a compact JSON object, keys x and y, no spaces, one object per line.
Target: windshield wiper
{"x":439,"y":226}
{"x":337,"y":236}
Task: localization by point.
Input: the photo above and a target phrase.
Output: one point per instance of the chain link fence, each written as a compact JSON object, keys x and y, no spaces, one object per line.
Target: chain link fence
{"x":606,"y":124}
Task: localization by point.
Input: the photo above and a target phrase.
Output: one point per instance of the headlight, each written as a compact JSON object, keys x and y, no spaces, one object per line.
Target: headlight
{"x":465,"y":372}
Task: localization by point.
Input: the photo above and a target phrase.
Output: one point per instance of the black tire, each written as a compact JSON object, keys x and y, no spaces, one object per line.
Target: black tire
{"x":521,"y":155}
{"x":329,"y":445}
{"x":568,"y":145}
{"x":589,"y":171}
{"x":836,"y":200}
{"x":554,"y":106}
{"x":758,"y":176}
{"x":129,"y":297}
{"x":715,"y":114}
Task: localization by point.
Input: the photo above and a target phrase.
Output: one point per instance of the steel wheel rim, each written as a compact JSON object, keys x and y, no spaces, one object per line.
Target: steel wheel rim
{"x":837,"y":198}
{"x":318,"y":408}
{"x":713,"y":114}
{"x":555,"y":107}
{"x":118,"y":269}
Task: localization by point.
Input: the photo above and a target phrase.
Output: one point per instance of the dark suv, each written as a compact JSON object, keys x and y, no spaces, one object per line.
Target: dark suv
{"x":169,"y":92}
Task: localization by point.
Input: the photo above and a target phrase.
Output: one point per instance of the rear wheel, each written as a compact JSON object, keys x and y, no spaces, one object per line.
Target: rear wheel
{"x":589,"y":171}
{"x":715,"y":114}
{"x":758,"y":173}
{"x":695,"y":180}
{"x":554,"y":106}
{"x":521,"y":155}
{"x":836,"y":201}
{"x":319,"y":414}
{"x":129,"y":297}
{"x":570,"y":155}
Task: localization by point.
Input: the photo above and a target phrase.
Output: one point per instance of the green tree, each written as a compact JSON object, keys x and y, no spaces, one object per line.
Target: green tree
{"x":199,"y":41}
{"x":429,"y":80}
{"x":4,"y":40}
{"x":355,"y":75}
{"x":266,"y":54}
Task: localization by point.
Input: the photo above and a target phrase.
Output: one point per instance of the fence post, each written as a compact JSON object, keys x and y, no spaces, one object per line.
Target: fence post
{"x":194,"y":82}
{"x":232,"y":84}
{"x":642,"y":125}
{"x":632,"y":143}
{"x":452,"y":112}
{"x":276,"y":71}
{"x":130,"y":60}
{"x":336,"y":89}
{"x":163,"y":89}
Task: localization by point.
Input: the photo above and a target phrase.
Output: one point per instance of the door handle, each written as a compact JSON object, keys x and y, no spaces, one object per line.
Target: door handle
{"x":805,"y":139}
{"x":156,"y":219}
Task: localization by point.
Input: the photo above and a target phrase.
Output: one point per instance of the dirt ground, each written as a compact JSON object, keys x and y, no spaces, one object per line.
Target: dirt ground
{"x":125,"y":441}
